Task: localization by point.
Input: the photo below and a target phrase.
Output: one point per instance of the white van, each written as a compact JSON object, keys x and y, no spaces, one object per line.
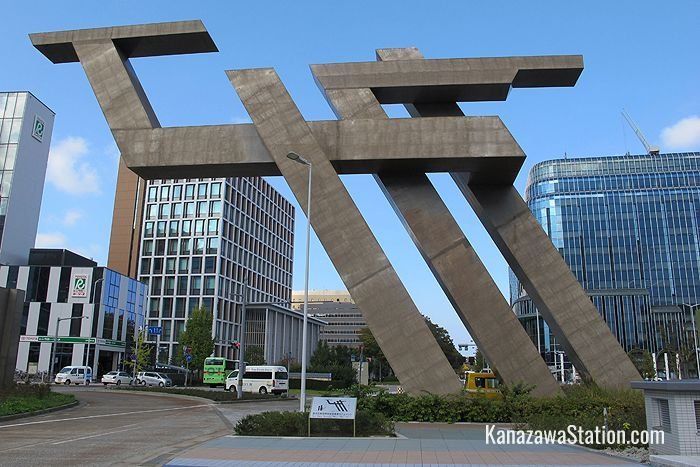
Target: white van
{"x":74,"y":375}
{"x":262,"y":379}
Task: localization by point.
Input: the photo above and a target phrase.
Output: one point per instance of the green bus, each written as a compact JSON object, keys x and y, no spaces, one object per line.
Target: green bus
{"x":216,"y":369}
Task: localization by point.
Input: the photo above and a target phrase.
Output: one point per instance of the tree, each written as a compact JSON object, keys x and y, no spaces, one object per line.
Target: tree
{"x":479,"y":361}
{"x":643,"y":361}
{"x":197,"y":336}
{"x":255,"y":356}
{"x":447,"y":345}
{"x":141,"y":350}
{"x":379,"y":367}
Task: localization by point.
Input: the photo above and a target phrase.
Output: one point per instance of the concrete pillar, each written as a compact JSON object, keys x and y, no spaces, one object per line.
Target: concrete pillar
{"x":11,"y":305}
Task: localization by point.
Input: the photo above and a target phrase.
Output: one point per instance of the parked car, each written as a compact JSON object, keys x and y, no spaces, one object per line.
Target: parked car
{"x":74,"y":375}
{"x":116,"y":377}
{"x":151,"y":378}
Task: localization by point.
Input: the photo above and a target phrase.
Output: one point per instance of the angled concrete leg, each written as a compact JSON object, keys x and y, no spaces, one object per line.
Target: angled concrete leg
{"x":392,"y":316}
{"x":458,"y":269}
{"x":550,"y":283}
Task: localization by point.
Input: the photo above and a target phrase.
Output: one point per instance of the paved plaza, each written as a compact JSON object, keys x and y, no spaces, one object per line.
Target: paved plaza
{"x":418,"y":444}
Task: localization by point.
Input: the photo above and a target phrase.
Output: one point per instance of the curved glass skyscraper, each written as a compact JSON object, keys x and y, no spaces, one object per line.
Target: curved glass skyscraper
{"x":628,"y":226}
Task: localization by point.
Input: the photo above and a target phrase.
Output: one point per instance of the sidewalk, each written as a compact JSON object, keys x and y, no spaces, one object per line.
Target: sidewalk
{"x":444,"y":445}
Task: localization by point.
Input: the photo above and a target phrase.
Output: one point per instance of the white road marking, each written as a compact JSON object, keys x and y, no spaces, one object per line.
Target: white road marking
{"x":133,"y":427}
{"x":66,"y":441}
{"x":104,"y":415}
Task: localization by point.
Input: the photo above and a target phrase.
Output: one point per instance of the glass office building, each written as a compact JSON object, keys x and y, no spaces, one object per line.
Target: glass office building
{"x":25,"y":134}
{"x":201,"y":240}
{"x":628,"y":226}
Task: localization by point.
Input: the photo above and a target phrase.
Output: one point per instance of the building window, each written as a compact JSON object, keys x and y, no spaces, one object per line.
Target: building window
{"x":157,"y":265}
{"x":196,"y":285}
{"x":148,"y":247}
{"x":160,"y":247}
{"x":177,"y":192}
{"x":213,"y":226}
{"x":170,"y":265}
{"x":174,"y":228}
{"x":153,"y":193}
{"x":164,"y":192}
{"x":160,"y":229}
{"x":215,"y":208}
{"x":198,"y":246}
{"x":209,"y":264}
{"x":202,"y":208}
{"x":196,"y":265}
{"x":199,"y":227}
{"x":212,"y":245}
{"x":145,"y":265}
{"x":189,"y":192}
{"x":177,"y":210}
{"x":185,"y":246}
{"x":189,"y":209}
{"x":215,"y":190}
{"x":202,"y":190}
{"x":165,"y":210}
{"x":152,"y":211}
{"x":697,"y":415}
{"x":183,"y":265}
{"x":148,"y":230}
{"x":186,"y":228}
{"x":664,"y":415}
{"x":182,"y":285}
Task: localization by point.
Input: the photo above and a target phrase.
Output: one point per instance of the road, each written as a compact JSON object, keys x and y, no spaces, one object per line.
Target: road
{"x":112,"y":427}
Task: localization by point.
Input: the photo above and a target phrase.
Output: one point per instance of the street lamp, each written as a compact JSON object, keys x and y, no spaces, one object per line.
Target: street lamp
{"x":300,"y":160}
{"x":695,"y":334}
{"x":96,"y":310}
{"x":55,"y":340}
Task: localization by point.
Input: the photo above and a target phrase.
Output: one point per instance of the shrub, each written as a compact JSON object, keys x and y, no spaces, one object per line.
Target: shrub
{"x":579,"y":405}
{"x":31,"y":398}
{"x":296,"y":424}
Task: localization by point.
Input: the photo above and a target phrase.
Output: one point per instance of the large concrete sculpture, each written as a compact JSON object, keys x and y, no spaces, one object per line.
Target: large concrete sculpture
{"x":480,"y":153}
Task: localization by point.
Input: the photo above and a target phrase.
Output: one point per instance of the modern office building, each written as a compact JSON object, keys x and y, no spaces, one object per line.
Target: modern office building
{"x":25,"y":135}
{"x":277,"y":330}
{"x":202,"y":240}
{"x":59,"y":285}
{"x":628,"y":226}
{"x":343,"y":318}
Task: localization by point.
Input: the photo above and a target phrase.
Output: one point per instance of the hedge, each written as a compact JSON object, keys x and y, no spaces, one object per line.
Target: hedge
{"x":579,"y":405}
{"x":218,"y":396}
{"x":24,"y":398}
{"x":296,"y":424}
{"x":315,"y":384}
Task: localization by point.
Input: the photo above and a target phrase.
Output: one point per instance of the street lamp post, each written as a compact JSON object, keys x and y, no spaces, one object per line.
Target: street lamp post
{"x":55,"y":340}
{"x":302,"y":398}
{"x":96,"y":309}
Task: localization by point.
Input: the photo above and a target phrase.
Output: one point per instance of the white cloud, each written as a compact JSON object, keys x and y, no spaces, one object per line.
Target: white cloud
{"x":50,"y":240}
{"x":67,"y":172}
{"x":72,"y":216}
{"x":684,"y":134}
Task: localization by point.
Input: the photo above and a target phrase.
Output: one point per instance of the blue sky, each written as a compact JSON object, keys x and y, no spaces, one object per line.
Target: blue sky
{"x":639,"y":55}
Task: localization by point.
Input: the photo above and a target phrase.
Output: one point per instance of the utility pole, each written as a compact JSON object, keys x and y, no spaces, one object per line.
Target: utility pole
{"x":241,"y":342}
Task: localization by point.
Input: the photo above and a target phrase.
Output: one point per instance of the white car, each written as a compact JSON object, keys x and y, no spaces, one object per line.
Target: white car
{"x":262,"y":379}
{"x":74,"y":375}
{"x":151,"y":378}
{"x":116,"y":377}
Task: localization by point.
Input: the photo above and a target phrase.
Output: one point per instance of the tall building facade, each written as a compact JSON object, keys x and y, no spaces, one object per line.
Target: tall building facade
{"x":25,"y":135}
{"x":202,"y":241}
{"x":343,"y":319}
{"x":59,"y":284}
{"x":629,"y":228}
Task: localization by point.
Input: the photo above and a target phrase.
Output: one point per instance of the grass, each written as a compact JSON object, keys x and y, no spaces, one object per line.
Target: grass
{"x":217,"y":396}
{"x":31,"y":398}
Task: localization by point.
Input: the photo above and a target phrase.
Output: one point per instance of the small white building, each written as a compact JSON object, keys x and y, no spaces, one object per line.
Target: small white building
{"x":674,"y":407}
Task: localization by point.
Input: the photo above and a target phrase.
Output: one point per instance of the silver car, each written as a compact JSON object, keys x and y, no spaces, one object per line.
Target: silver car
{"x":116,"y":377}
{"x":151,"y":378}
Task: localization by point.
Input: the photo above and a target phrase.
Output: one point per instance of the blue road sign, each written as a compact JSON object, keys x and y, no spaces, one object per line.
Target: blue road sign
{"x":188,"y":357}
{"x":155,"y":330}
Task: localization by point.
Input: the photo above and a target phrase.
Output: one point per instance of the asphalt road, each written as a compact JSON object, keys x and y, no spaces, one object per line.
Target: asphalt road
{"x":120,"y":428}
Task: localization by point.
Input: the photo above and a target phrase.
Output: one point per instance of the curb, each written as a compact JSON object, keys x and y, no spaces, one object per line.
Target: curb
{"x":188,"y":396}
{"x":7,"y":418}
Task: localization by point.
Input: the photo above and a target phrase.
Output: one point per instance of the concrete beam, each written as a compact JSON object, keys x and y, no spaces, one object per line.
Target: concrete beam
{"x":449,"y":80}
{"x":550,"y":283}
{"x":142,"y":40}
{"x":456,"y":266}
{"x":352,"y":146}
{"x":392,"y":316}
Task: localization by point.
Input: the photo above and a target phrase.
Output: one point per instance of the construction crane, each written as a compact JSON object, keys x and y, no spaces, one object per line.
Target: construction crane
{"x":651,"y":150}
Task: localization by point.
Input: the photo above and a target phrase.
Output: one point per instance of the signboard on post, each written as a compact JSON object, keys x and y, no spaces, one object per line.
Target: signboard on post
{"x":338,"y":408}
{"x":155,"y":330}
